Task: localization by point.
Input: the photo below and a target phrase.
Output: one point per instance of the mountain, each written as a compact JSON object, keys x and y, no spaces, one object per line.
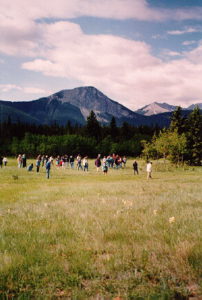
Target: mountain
{"x":74,"y":105}
{"x":155,"y":108}
{"x":89,"y":98}
{"x":69,"y":105}
{"x":7,"y":112}
{"x":191,"y":107}
{"x":45,"y":111}
{"x":159,"y":108}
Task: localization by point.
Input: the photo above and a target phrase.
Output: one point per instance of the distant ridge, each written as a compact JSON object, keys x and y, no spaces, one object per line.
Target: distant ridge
{"x":74,"y":105}
{"x":155,"y":108}
{"x":159,"y":108}
{"x":191,"y":107}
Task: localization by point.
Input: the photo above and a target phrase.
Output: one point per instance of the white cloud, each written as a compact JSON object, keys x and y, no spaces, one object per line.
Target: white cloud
{"x":19,"y":11}
{"x":188,"y":43}
{"x":169,"y":53}
{"x":185,"y":31}
{"x":123,"y":69}
{"x":116,"y":9}
{"x":35,"y":90}
{"x":195,"y":56}
{"x":158,"y":36}
{"x":8,"y":87}
{"x":4,"y":88}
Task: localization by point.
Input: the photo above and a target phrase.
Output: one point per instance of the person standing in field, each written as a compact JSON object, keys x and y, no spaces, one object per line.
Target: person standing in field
{"x":149,"y":169}
{"x":19,"y":161}
{"x":105,"y":168}
{"x":45,"y":160}
{"x":71,"y":161}
{"x":85,"y":163}
{"x":124,"y":160}
{"x":5,"y":161}
{"x":24,"y":161}
{"x":57,"y":161}
{"x":38,"y":163}
{"x":79,"y":166}
{"x":66,"y":161}
{"x":135,"y":167}
{"x":48,"y":167}
{"x":51,"y":159}
{"x":98,"y":163}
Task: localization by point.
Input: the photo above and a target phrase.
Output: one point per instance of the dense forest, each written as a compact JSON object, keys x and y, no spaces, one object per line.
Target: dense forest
{"x":94,"y":138}
{"x":90,"y":139}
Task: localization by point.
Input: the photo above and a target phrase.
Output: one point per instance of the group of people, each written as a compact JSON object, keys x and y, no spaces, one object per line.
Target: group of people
{"x":44,"y":161}
{"x":111,"y":161}
{"x":65,"y":161}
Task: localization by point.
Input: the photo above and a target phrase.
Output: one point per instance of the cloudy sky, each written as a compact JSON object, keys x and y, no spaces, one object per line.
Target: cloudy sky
{"x":134,"y":51}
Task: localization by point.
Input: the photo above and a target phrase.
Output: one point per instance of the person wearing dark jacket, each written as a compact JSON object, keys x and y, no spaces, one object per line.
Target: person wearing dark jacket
{"x":48,"y":167}
{"x":135,"y":167}
{"x":30,"y":167}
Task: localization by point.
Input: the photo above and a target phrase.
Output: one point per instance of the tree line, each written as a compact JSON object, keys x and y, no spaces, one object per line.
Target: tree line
{"x":181,"y":142}
{"x":90,"y":139}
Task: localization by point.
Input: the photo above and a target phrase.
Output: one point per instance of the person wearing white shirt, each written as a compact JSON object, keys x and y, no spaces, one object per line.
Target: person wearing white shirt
{"x":149,"y":169}
{"x":5,"y":161}
{"x":85,"y":163}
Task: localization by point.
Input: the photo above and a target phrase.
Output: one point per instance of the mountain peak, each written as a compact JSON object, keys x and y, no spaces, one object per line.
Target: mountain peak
{"x":89,"y":98}
{"x":155,"y":108}
{"x":78,"y":91}
{"x":191,"y":107}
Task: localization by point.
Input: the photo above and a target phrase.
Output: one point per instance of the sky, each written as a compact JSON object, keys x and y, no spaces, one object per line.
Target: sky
{"x":134,"y":51}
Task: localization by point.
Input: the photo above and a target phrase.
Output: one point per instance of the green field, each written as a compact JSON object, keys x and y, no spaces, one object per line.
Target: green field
{"x":84,"y":235}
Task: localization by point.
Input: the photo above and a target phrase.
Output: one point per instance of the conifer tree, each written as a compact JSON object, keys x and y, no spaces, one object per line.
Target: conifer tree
{"x":194,"y":137}
{"x":177,"y":121}
{"x":69,"y":128}
{"x":113,"y":129}
{"x":125,"y":132}
{"x":92,"y":126}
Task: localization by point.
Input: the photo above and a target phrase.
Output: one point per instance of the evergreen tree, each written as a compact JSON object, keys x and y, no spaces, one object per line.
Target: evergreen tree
{"x":177,"y":121}
{"x":126,"y":132}
{"x":93,"y":127}
{"x":113,"y":129}
{"x":194,"y":137}
{"x":69,"y":128}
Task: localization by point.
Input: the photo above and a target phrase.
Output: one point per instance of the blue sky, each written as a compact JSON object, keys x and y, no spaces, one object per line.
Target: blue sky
{"x":134,"y":51}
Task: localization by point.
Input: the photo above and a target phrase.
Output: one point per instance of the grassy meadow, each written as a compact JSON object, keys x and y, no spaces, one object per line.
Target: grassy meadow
{"x":84,"y":235}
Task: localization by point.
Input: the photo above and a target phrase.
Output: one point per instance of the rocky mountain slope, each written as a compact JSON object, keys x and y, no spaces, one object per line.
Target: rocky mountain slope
{"x":74,"y":105}
{"x":155,"y":108}
{"x":70,"y":105}
{"x":159,"y":108}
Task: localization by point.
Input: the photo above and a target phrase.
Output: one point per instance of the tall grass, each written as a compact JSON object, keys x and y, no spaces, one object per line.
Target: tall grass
{"x":84,"y":235}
